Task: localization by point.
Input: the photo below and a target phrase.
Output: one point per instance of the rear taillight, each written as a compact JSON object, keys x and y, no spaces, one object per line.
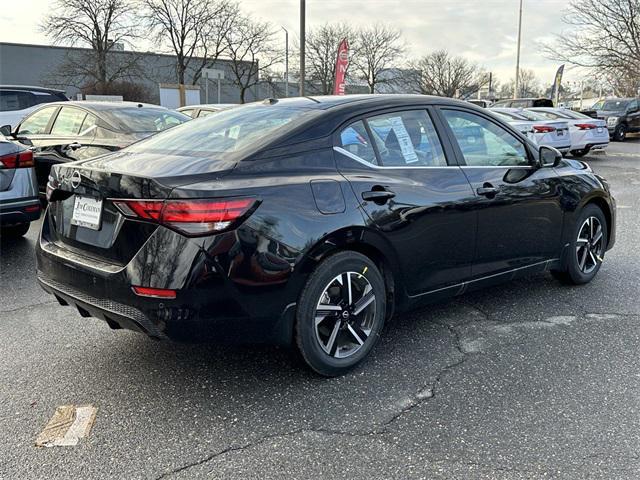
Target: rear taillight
{"x":23,"y":159}
{"x":190,"y":217}
{"x":586,"y":126}
{"x":543,"y":129}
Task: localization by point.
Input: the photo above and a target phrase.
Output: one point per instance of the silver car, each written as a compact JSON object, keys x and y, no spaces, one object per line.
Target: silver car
{"x":550,"y":133}
{"x":19,"y":202}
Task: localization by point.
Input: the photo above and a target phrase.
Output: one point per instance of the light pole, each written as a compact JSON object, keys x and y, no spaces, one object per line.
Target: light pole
{"x":517,"y":83}
{"x":302,"y":45}
{"x":286,"y":61}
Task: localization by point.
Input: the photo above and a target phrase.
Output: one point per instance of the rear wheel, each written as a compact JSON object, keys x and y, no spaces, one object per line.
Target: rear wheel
{"x":340,"y":313}
{"x":620,"y":134}
{"x":586,"y":252}
{"x":15,"y":231}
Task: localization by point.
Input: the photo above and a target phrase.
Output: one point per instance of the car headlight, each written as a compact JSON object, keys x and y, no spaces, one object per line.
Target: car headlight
{"x":612,"y":121}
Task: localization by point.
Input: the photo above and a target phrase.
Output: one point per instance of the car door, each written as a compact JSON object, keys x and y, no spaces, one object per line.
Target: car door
{"x":412,"y":191}
{"x":633,"y":115}
{"x":518,"y":204}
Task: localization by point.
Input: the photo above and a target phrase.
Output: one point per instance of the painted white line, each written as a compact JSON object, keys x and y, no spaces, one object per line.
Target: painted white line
{"x":68,"y":425}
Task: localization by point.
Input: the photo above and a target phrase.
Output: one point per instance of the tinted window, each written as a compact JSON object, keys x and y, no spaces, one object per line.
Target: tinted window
{"x":576,"y":115}
{"x":226,"y":131}
{"x":633,"y":105}
{"x":407,"y":139}
{"x":44,"y":97}
{"x":484,"y":143}
{"x":11,"y":100}
{"x":68,"y":121}
{"x":37,"y":122}
{"x":614,"y":105}
{"x":355,"y":139}
{"x":143,"y":119}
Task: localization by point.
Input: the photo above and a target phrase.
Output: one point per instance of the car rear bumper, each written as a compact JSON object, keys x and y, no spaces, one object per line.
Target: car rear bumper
{"x":15,"y":212}
{"x":209,"y":305}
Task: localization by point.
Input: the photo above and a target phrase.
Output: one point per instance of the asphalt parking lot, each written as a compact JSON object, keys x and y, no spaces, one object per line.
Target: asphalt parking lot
{"x":528,"y":380}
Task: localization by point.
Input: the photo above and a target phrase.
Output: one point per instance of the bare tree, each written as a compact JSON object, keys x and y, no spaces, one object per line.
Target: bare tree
{"x":605,"y":37}
{"x":101,"y":25}
{"x":379,"y":48}
{"x":251,"y":53}
{"x":195,"y":30}
{"x":321,"y":50}
{"x":444,"y":75}
{"x":528,"y":85}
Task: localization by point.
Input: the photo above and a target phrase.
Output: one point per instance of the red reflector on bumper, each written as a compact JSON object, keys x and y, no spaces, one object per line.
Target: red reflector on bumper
{"x":32,"y":208}
{"x":154,"y":292}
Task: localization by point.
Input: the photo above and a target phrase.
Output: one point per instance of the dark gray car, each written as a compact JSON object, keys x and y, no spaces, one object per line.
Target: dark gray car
{"x":19,"y":204}
{"x":68,"y":131}
{"x":621,"y":114}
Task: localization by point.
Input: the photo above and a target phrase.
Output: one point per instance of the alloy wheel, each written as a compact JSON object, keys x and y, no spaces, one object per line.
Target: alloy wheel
{"x":345,"y":315}
{"x":589,"y":245}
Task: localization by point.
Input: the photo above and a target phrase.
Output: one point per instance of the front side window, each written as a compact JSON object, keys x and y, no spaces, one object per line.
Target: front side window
{"x":407,"y":139}
{"x":36,"y":123}
{"x":68,"y":121}
{"x":355,"y":139}
{"x":484,"y":143}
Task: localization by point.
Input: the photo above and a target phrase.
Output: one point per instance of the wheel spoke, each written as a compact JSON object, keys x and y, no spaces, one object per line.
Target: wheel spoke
{"x":325,"y":307}
{"x":583,"y":260}
{"x":363,"y":303}
{"x":332,"y":338}
{"x":355,"y":335}
{"x":597,"y":236}
{"x":591,"y":232}
{"x":593,"y":258}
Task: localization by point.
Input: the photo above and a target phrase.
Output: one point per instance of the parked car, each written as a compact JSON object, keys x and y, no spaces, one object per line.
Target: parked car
{"x":18,"y":101}
{"x":19,"y":203}
{"x":621,"y":114}
{"x":523,"y":103}
{"x":67,"y":131}
{"x":552,"y":133}
{"x":586,"y":133}
{"x":197,"y":111}
{"x":294,"y":222}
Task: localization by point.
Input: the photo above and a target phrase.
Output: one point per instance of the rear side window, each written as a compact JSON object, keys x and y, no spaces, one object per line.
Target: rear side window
{"x":355,"y":139}
{"x":407,"y":139}
{"x":89,"y":121}
{"x":11,"y":100}
{"x":36,"y":123}
{"x":484,"y":143}
{"x":68,"y":121}
{"x":143,"y":119}
{"x":46,"y":97}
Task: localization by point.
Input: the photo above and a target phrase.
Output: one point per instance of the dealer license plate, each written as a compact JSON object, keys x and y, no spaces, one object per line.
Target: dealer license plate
{"x":87,"y":212}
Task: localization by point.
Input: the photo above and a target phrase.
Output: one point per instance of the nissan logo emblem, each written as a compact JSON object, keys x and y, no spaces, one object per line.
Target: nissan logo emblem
{"x":75,"y":179}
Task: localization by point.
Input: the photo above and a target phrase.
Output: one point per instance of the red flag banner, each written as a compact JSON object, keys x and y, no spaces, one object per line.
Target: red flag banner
{"x":342,"y":62}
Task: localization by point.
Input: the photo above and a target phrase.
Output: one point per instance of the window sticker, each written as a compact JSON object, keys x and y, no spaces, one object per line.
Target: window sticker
{"x":406,"y":145}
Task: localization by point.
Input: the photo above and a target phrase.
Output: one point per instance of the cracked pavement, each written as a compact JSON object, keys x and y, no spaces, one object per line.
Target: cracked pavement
{"x":530,"y":379}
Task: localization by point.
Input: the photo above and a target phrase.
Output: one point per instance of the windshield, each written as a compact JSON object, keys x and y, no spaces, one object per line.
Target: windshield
{"x":614,"y":105}
{"x":143,"y":119}
{"x":226,"y":131}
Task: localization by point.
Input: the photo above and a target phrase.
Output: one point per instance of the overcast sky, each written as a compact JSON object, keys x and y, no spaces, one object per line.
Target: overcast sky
{"x":483,"y":31}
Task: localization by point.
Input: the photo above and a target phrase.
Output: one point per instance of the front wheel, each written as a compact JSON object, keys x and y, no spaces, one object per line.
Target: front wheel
{"x":579,"y":153}
{"x":340,"y":313}
{"x":586,"y":251}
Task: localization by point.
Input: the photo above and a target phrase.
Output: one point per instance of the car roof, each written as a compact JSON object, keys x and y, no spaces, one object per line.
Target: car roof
{"x":101,"y":106}
{"x":28,"y":88}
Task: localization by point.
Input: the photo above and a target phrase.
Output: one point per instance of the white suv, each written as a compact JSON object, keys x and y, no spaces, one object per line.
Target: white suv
{"x":17,"y":101}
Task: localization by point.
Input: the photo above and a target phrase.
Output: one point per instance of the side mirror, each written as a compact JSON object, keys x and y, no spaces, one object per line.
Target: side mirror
{"x":549,"y":156}
{"x":5,"y":130}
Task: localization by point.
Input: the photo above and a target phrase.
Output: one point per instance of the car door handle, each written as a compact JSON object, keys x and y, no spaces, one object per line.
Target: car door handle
{"x":74,"y":146}
{"x":487,"y":190}
{"x":378,"y":195}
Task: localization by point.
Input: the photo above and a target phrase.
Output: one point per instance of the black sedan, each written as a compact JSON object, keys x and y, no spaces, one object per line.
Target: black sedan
{"x":66,"y":131}
{"x":310,"y":221}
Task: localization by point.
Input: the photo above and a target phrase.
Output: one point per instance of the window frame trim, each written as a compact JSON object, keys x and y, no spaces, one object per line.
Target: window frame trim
{"x":70,"y":107}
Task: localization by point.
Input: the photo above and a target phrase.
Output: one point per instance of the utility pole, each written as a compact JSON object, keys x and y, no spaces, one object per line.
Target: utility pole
{"x":286,"y":61}
{"x":517,"y":83}
{"x":302,"y":45}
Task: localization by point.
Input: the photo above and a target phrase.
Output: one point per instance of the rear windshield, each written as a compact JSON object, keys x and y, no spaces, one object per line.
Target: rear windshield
{"x":575,"y":115}
{"x":510,"y":115}
{"x":614,"y":105}
{"x":529,"y":115}
{"x":143,"y":119}
{"x":226,"y":131}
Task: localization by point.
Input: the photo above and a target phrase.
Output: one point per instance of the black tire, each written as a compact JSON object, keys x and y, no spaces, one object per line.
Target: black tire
{"x":620,"y":133}
{"x":15,"y":231}
{"x":321,"y":283}
{"x":575,"y":273}
{"x":579,"y":153}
